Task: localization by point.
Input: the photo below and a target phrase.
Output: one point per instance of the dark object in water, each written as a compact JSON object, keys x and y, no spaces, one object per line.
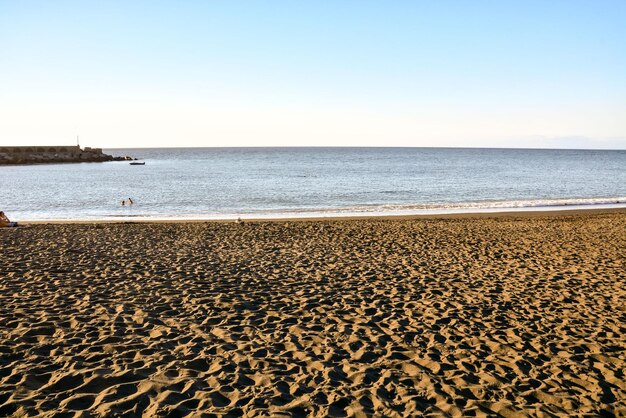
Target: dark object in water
{"x":137,"y":163}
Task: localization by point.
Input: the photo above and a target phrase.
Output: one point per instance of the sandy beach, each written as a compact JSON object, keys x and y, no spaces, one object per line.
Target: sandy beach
{"x":476,"y":315}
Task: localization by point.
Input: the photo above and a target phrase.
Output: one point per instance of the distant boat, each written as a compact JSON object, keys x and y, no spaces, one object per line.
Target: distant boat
{"x":138,"y":163}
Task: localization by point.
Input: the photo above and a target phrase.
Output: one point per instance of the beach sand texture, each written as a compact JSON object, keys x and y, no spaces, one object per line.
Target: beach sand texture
{"x":493,"y":316}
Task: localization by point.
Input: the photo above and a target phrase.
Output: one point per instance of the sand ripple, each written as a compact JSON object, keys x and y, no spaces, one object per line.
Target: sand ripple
{"x":510,"y":317}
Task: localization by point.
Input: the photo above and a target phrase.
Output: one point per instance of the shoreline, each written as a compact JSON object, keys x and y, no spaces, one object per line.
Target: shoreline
{"x":508,"y":213}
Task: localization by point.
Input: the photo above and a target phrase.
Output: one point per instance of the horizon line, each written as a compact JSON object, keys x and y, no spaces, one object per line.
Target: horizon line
{"x":321,"y":147}
{"x":363,"y":146}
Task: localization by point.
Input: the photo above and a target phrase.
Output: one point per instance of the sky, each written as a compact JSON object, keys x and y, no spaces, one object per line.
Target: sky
{"x":547,"y":74}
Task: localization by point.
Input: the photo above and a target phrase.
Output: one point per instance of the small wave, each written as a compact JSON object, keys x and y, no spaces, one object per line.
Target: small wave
{"x":434,"y":208}
{"x":439,"y":208}
{"x":504,"y":204}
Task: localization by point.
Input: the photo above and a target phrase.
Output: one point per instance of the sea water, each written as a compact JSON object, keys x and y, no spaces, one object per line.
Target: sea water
{"x":226,"y":183}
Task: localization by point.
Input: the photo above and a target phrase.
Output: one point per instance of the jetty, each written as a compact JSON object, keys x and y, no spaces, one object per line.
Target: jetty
{"x":55,"y":154}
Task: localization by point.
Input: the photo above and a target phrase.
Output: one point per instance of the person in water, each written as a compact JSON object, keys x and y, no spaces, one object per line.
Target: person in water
{"x":5,"y":222}
{"x":130,"y":201}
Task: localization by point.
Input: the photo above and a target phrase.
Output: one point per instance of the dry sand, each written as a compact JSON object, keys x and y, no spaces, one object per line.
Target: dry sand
{"x":507,"y":316}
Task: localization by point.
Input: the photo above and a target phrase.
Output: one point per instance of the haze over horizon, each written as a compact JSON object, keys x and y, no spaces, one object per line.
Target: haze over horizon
{"x":515,"y":74}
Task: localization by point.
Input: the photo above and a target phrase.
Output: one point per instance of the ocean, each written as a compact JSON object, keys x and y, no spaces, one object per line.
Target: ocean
{"x":226,"y":183}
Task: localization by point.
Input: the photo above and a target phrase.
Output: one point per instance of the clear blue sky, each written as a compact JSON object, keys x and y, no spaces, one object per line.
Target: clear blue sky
{"x":408,"y":73}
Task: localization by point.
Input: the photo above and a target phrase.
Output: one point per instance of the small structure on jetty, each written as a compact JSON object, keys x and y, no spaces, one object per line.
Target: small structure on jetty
{"x":55,"y":154}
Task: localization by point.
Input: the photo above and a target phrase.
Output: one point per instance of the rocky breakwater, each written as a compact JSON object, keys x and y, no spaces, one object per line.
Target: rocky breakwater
{"x":55,"y":154}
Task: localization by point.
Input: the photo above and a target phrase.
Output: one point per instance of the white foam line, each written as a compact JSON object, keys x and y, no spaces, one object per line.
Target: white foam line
{"x":339,"y":213}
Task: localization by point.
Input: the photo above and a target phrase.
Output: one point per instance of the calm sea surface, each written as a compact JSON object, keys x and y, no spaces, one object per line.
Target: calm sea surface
{"x":211,"y":183}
